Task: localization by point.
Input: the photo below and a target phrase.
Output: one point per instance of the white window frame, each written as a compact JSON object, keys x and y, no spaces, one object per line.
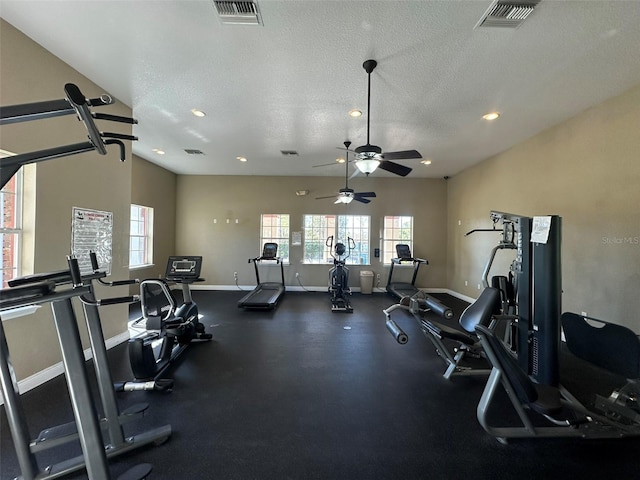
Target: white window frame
{"x":15,"y":231}
{"x":393,"y":232}
{"x":317,"y":228}
{"x":277,"y":232}
{"x":146,"y":234}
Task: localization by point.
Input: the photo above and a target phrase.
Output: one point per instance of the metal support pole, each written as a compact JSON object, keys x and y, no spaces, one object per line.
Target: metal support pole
{"x":79,"y":390}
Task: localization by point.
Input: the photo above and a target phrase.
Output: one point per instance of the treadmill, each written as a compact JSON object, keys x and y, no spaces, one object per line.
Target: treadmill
{"x":399,"y":289}
{"x":266,"y":295}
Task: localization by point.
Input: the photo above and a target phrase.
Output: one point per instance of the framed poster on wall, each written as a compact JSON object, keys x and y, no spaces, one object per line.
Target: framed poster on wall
{"x":91,"y":230}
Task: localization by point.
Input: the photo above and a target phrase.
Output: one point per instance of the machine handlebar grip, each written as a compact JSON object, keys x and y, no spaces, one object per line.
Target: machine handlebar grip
{"x":118,"y":300}
{"x":438,"y":307}
{"x":94,"y":261}
{"x":74,"y":270}
{"x":119,"y":283}
{"x":115,"y":118}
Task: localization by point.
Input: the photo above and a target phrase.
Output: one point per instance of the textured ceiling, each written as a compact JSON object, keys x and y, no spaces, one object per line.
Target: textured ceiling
{"x":288,"y":85}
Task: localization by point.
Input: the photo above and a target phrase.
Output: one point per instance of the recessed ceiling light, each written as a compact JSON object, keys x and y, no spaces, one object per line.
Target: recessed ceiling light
{"x":491,"y":116}
{"x":425,"y":162}
{"x":340,"y":160}
{"x":242,"y":159}
{"x":198,"y":113}
{"x":355,"y":113}
{"x":158,"y":151}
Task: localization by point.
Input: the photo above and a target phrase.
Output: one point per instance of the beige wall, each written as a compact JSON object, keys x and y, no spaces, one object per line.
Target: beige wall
{"x":586,"y":170}
{"x":89,"y":180}
{"x":226,"y":247}
{"x":153,"y":186}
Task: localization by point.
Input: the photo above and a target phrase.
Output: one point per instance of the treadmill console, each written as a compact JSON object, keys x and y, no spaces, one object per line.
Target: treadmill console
{"x":403,"y":251}
{"x":180,"y":269}
{"x":269,"y":251}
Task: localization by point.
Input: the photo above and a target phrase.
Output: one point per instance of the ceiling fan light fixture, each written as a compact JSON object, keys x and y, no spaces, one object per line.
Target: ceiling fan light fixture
{"x":367,"y":165}
{"x":344,"y":199}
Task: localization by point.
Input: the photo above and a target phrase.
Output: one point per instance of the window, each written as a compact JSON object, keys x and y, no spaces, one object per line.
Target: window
{"x":317,"y":228}
{"x":141,"y":236}
{"x":396,"y":230}
{"x":274,"y":227}
{"x":10,"y":227}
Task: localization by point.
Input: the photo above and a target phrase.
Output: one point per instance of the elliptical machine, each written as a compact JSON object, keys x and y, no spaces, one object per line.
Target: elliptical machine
{"x":339,"y":275}
{"x":165,"y":330}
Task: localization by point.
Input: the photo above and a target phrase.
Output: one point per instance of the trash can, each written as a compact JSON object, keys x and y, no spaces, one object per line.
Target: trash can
{"x":366,"y":282}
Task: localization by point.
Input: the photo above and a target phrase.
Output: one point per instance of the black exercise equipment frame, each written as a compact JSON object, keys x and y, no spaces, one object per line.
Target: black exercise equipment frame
{"x":73,"y":103}
{"x":174,"y":329}
{"x":253,"y":300}
{"x":339,"y":276}
{"x":404,"y":256}
{"x":42,"y":288}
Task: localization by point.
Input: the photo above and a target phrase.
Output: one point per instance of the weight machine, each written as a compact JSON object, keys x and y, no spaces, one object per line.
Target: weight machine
{"x":528,"y":368}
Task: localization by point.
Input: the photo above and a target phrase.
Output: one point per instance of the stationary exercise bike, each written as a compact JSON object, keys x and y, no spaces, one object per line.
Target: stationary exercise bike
{"x":165,"y":329}
{"x":339,"y":275}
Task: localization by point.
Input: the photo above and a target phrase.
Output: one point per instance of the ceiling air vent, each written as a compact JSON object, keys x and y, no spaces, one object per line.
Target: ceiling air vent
{"x":191,"y":151}
{"x":289,"y":153}
{"x":508,"y":14}
{"x":238,"y":13}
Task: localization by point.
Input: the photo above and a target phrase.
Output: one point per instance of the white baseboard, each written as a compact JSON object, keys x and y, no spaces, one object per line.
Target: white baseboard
{"x":53,"y":371}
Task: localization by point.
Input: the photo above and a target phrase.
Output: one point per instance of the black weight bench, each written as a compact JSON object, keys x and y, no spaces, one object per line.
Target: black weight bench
{"x":466,"y":356}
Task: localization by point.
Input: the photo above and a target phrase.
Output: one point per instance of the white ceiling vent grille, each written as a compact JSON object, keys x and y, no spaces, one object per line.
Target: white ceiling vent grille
{"x":238,"y":13}
{"x":289,"y":153}
{"x":193,"y":151}
{"x":508,"y":14}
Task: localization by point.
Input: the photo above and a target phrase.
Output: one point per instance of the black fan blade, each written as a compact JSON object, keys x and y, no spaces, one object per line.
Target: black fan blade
{"x":403,"y":155}
{"x":395,"y":168}
{"x":360,"y":199}
{"x":330,"y":196}
{"x":365,"y":194}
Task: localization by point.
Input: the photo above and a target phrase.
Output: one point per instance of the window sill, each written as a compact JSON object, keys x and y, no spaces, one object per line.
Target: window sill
{"x":142,"y":267}
{"x":18,"y":312}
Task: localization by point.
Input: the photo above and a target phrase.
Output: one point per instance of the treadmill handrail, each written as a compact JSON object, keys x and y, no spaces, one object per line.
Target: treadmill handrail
{"x":398,"y":260}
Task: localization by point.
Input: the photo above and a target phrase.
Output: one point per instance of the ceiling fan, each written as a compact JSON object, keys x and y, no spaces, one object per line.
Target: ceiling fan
{"x":369,"y":157}
{"x":346,"y":194}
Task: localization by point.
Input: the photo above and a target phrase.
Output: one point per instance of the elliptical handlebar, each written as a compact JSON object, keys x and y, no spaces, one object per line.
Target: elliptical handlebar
{"x":351,"y":245}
